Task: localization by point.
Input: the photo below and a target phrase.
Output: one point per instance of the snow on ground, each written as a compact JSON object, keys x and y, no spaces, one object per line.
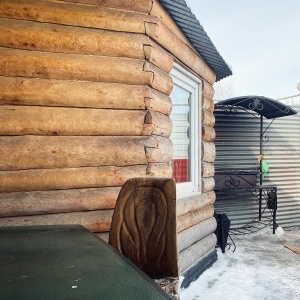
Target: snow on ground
{"x":261,"y":268}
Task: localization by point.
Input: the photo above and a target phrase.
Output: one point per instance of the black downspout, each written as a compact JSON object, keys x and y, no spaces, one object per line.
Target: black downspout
{"x":260,"y":165}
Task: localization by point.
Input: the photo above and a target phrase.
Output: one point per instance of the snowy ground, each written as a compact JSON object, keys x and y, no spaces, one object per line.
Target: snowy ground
{"x":261,"y":268}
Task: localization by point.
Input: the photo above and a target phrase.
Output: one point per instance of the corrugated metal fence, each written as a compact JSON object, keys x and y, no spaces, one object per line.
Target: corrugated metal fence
{"x":237,"y":145}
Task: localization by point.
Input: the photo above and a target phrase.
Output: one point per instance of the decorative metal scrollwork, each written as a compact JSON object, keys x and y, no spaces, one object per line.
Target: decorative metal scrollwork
{"x":256,"y":105}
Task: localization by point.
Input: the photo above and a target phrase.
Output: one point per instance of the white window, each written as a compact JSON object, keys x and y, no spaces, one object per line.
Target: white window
{"x":186,"y":134}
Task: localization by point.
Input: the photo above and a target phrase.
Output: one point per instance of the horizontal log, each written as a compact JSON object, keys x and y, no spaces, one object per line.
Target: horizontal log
{"x":159,"y":57}
{"x":208,"y":104}
{"x":208,"y":184}
{"x":162,"y":152}
{"x":95,"y":221}
{"x":51,"y":202}
{"x":21,"y":120}
{"x":161,"y":81}
{"x":208,"y":152}
{"x":194,"y":234}
{"x":193,"y":254}
{"x":159,"y":170}
{"x":158,"y":102}
{"x":83,"y":67}
{"x":72,"y":178}
{"x":74,"y":14}
{"x":207,"y":89}
{"x":160,"y":12}
{"x":208,"y":134}
{"x":162,"y":124}
{"x":208,"y":169}
{"x":194,"y":217}
{"x":141,"y":6}
{"x":208,"y":118}
{"x":43,"y":152}
{"x":194,"y":203}
{"x":27,"y":91}
{"x":30,"y":35}
{"x":165,"y":37}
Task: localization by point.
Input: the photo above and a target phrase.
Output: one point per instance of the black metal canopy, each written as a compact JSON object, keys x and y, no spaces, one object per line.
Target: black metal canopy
{"x":265,"y":107}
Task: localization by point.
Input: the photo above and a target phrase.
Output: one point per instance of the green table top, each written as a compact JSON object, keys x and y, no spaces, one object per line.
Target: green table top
{"x":67,"y":262}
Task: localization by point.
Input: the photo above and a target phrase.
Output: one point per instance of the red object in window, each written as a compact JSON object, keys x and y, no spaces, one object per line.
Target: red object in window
{"x":181,"y":170}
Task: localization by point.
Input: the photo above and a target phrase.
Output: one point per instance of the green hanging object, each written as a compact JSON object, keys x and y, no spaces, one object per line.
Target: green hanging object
{"x":265,"y":168}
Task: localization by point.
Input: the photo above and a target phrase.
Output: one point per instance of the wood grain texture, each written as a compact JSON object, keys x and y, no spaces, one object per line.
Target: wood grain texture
{"x":42,"y":152}
{"x":208,"y":103}
{"x":71,"y":178}
{"x":194,"y":217}
{"x":194,"y":234}
{"x":162,"y":124}
{"x":46,"y":65}
{"x":162,"y":152}
{"x":140,"y":6}
{"x":195,"y":202}
{"x":208,"y":152}
{"x":27,"y":91}
{"x":208,"y":184}
{"x":60,"y":201}
{"x":165,"y":37}
{"x":95,"y":221}
{"x":159,"y":169}
{"x":208,"y":118}
{"x":36,"y":36}
{"x":144,"y":225}
{"x":208,"y":169}
{"x":34,"y":120}
{"x":207,"y":89}
{"x":208,"y":133}
{"x":73,"y":14}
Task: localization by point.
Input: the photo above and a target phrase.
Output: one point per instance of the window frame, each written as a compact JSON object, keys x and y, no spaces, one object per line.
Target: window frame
{"x":189,"y":82}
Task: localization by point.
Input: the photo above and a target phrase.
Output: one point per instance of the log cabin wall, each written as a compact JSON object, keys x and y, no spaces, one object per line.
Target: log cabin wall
{"x":84,"y":106}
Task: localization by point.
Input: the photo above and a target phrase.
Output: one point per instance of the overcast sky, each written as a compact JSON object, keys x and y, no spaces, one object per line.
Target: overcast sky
{"x":260,"y":40}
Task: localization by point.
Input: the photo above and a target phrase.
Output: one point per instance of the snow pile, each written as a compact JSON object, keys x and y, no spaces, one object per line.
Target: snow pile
{"x":260,"y":268}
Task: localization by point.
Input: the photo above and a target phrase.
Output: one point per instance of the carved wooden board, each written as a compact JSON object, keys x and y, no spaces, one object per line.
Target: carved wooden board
{"x":144,"y":225}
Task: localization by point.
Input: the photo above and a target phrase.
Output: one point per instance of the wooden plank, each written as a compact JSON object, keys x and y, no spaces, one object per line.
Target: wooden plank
{"x":293,"y":248}
{"x":43,"y":152}
{"x":72,"y":178}
{"x":73,"y":14}
{"x":194,"y":234}
{"x":141,"y":6}
{"x":30,"y":35}
{"x":195,"y":202}
{"x":165,"y":37}
{"x":34,"y":120}
{"x":158,"y":102}
{"x":194,"y":217}
{"x":144,"y":225}
{"x":95,"y":221}
{"x":51,"y":202}
{"x":193,"y":254}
